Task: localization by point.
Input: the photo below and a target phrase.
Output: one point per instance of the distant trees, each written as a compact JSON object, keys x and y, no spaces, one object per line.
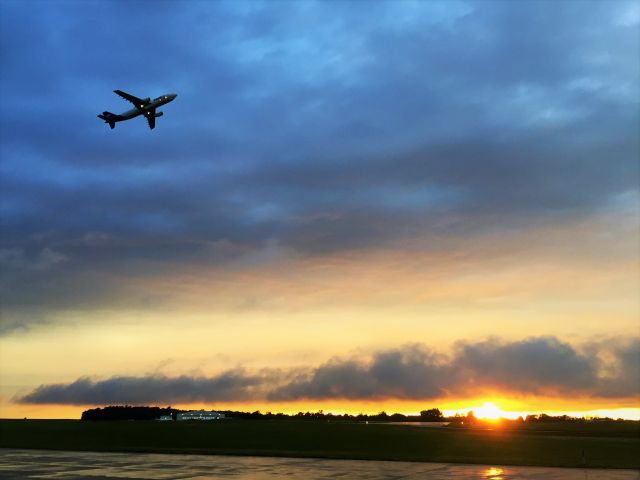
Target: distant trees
{"x":431,"y":415}
{"x":468,"y":420}
{"x":127,"y":412}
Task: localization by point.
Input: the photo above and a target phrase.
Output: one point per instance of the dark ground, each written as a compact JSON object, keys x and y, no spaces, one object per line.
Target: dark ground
{"x":554,"y":445}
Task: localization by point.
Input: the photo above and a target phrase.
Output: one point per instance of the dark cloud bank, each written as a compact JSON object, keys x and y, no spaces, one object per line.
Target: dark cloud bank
{"x":538,"y":366}
{"x":322,"y":127}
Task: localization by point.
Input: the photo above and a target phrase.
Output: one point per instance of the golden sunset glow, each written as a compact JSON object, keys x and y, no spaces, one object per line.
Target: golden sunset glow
{"x":488,"y":411}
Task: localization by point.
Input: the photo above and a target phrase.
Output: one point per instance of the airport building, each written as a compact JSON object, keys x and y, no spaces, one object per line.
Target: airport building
{"x":200,"y":415}
{"x":165,"y":418}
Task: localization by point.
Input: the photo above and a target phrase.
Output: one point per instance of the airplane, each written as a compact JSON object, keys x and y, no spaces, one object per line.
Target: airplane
{"x":143,"y":106}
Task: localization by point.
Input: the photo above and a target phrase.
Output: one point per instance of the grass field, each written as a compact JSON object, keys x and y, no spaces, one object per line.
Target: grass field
{"x":553,"y":446}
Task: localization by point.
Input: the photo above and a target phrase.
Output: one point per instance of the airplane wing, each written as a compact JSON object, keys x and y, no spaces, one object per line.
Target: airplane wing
{"x":138,"y":102}
{"x":151,"y":118}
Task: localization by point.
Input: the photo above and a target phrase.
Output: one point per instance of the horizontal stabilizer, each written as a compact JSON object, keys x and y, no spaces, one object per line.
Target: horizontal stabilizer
{"x":109,"y":118}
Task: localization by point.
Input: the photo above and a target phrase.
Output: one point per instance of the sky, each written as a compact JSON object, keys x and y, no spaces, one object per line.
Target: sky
{"x":350,"y":206}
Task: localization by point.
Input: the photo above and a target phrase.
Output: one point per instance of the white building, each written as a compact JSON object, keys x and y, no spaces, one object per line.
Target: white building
{"x":165,"y":418}
{"x":200,"y":415}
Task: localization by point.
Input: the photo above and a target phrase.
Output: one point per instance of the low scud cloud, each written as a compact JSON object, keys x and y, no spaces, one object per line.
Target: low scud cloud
{"x":537,"y":365}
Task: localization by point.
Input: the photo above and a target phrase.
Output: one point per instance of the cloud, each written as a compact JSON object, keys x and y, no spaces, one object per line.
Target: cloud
{"x":231,"y":385}
{"x":534,"y":366}
{"x":410,"y":372}
{"x":324,"y":127}
{"x":542,"y":365}
{"x":17,"y":258}
{"x":623,"y":375}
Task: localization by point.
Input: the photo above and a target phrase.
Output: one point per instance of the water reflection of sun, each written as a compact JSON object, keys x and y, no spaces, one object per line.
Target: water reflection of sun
{"x":493,"y":473}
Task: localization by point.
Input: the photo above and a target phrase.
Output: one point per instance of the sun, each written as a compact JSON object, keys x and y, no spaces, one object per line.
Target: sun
{"x":488,"y":411}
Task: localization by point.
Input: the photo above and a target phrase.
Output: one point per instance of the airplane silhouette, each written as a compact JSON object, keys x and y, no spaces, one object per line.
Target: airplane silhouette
{"x":143,"y":106}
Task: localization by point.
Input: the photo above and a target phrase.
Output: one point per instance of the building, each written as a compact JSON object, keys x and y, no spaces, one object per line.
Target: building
{"x":200,"y":415}
{"x":165,"y":418}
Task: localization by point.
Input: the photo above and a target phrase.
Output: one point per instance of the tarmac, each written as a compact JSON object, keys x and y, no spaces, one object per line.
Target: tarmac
{"x":50,"y":464}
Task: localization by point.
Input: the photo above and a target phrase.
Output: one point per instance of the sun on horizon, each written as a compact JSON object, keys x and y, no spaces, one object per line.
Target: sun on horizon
{"x":489,"y":411}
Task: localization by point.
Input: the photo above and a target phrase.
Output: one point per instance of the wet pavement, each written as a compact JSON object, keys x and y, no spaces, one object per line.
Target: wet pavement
{"x":48,"y":464}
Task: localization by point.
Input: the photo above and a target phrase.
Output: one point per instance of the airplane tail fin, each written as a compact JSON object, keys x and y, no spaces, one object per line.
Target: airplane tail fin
{"x":109,"y":118}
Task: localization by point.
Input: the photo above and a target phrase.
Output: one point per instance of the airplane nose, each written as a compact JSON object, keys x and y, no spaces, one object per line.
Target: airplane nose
{"x":173,"y":95}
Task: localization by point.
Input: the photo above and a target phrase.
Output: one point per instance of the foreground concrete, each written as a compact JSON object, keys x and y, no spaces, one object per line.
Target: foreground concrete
{"x":47,"y":464}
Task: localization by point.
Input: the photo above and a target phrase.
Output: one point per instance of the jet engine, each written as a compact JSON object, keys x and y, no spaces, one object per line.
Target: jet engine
{"x":147,"y":100}
{"x":159,"y":114}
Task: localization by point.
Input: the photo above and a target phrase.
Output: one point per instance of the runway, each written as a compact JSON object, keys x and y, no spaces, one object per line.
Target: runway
{"x":49,"y":464}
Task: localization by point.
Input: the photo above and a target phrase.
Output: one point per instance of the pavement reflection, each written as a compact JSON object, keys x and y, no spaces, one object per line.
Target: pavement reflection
{"x":47,"y":464}
{"x":494,"y":473}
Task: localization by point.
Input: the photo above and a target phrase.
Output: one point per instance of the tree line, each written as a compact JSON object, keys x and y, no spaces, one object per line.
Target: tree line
{"x":131,"y":412}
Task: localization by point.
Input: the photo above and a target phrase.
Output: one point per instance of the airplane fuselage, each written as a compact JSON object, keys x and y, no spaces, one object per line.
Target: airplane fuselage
{"x":149,"y":107}
{"x":141,"y":106}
